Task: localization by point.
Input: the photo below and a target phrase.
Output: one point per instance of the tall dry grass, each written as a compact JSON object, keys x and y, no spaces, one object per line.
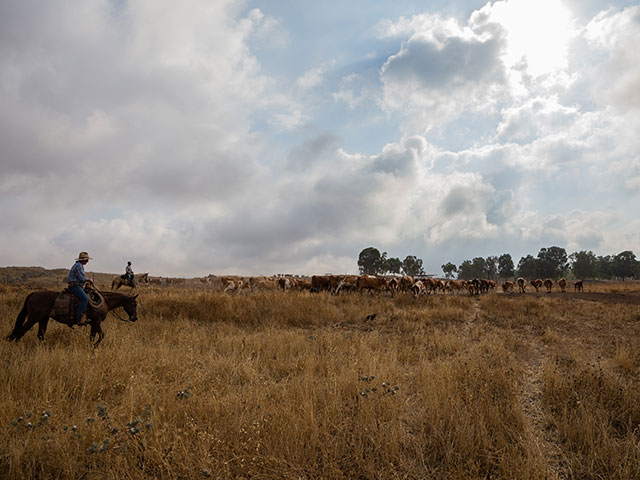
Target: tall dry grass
{"x":295,"y":385}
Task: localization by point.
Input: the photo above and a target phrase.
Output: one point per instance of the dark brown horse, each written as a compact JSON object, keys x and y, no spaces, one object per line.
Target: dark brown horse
{"x":39,"y":307}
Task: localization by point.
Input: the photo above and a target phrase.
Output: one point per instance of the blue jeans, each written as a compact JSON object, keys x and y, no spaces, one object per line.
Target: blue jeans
{"x":83,"y":301}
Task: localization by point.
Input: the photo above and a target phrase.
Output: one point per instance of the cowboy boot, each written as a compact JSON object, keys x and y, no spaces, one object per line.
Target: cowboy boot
{"x":84,"y":320}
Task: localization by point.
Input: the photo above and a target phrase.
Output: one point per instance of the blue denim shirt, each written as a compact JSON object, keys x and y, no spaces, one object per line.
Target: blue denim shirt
{"x":76,"y":274}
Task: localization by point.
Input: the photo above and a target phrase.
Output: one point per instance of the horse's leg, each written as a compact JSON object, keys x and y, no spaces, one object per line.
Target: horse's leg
{"x":96,"y":329}
{"x":31,"y":321}
{"x":42,"y":327}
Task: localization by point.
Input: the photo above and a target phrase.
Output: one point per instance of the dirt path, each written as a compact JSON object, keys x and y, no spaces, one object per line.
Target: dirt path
{"x":543,"y":435}
{"x":539,"y":430}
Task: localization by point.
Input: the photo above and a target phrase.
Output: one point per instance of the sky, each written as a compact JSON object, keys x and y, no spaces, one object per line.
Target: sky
{"x":270,"y":136}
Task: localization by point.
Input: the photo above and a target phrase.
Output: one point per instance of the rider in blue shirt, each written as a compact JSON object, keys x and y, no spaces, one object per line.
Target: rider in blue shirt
{"x":76,"y":280}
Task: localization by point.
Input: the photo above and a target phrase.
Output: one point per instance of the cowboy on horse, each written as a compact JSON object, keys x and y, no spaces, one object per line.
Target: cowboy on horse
{"x":76,"y":279}
{"x":128,"y":275}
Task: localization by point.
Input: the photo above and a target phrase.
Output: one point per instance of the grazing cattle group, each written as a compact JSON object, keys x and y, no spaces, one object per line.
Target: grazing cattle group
{"x":508,"y":287}
{"x":370,"y":284}
{"x":364,"y":284}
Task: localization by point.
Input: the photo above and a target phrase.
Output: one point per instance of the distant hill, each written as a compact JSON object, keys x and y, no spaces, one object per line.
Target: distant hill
{"x":38,"y":277}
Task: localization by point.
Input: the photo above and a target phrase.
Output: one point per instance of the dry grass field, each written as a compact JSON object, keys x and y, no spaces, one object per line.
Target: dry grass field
{"x":296,"y":385}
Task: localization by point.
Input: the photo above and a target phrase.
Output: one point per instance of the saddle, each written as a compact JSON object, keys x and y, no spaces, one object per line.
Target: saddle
{"x":66,"y":305}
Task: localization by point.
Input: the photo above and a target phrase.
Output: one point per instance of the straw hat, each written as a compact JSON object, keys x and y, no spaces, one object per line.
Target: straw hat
{"x":83,"y":256}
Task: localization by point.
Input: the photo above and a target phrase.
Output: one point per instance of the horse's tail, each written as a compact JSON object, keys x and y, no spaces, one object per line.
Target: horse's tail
{"x":15,"y":334}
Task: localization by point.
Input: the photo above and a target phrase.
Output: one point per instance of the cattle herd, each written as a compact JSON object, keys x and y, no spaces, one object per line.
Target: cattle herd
{"x":377,"y":284}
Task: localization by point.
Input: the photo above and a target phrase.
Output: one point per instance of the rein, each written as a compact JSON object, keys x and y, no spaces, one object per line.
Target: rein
{"x":113,"y":312}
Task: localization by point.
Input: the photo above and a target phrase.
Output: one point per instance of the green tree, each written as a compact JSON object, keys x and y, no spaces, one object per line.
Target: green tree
{"x":528,"y":267}
{"x":505,"y":266}
{"x":604,"y":267}
{"x":449,"y":269}
{"x":624,"y":264}
{"x":491,"y":267}
{"x":583,"y":264}
{"x":479,"y":266}
{"x":412,"y":265}
{"x":394,"y":265}
{"x":475,"y":268}
{"x":370,"y":261}
{"x":552,"y":262}
{"x":465,"y":270}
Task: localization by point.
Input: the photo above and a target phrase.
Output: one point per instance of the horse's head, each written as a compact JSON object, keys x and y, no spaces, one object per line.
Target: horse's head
{"x":131,"y":307}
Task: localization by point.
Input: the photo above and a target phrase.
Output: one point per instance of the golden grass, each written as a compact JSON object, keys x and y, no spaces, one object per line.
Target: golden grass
{"x":295,"y":385}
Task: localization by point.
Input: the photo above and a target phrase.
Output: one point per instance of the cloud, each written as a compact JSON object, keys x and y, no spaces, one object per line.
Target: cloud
{"x":139,"y":131}
{"x":615,"y":35}
{"x":314,"y":76}
{"x":441,"y":70}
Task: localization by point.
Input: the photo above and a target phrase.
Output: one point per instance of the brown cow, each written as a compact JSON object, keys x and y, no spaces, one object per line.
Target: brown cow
{"x":371,"y":283}
{"x":406,"y":282}
{"x":475,"y":286}
{"x":418,"y":289}
{"x":285,"y":283}
{"x":521,"y":285}
{"x":578,"y":286}
{"x":562,"y":283}
{"x":322,"y":282}
{"x":231,"y":284}
{"x":507,"y":287}
{"x":394,"y":286}
{"x":430,"y":285}
{"x":537,"y":284}
{"x":548,"y":283}
{"x":303,"y":284}
{"x":456,"y":285}
{"x":348,"y":283}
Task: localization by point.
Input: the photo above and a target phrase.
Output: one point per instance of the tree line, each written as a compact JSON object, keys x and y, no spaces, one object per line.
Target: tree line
{"x":551,"y":262}
{"x":372,"y":262}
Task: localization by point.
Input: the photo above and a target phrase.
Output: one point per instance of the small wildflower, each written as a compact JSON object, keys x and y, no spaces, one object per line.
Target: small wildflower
{"x":91,"y":420}
{"x":20,"y":419}
{"x":205,"y":473}
{"x":74,"y":428}
{"x":133,"y":423}
{"x":102,"y":411}
{"x":93,"y":448}
{"x":29,"y":425}
{"x":183,"y":394}
{"x":28,"y":415}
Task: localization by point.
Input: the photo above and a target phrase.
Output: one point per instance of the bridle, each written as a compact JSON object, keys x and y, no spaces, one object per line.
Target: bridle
{"x":113,"y":312}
